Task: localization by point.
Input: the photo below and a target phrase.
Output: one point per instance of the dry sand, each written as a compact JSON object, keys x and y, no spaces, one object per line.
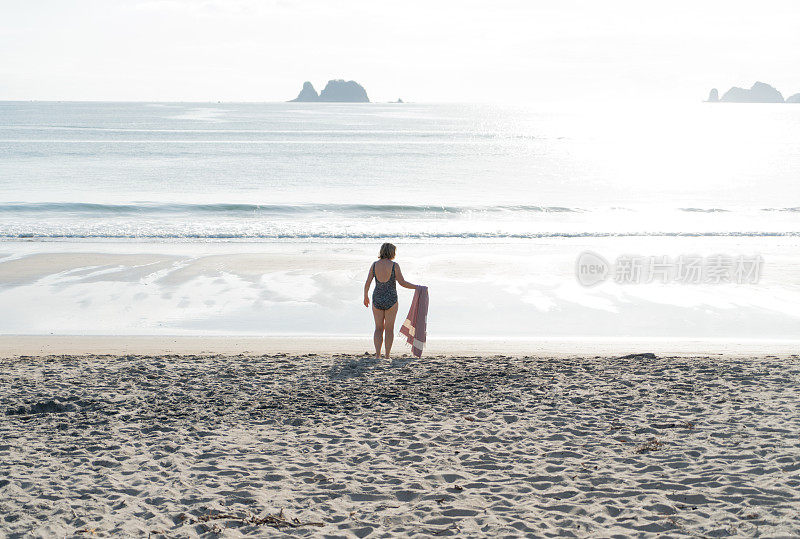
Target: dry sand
{"x":342,"y":445}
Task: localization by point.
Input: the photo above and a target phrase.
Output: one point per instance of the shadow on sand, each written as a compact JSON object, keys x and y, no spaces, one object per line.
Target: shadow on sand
{"x":353,"y":366}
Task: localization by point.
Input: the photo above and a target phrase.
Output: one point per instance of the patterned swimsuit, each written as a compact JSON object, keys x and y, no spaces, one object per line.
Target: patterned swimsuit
{"x":384,"y":296}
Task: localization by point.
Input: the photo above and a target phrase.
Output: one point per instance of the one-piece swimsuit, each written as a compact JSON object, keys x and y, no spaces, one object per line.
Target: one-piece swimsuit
{"x":384,"y":296}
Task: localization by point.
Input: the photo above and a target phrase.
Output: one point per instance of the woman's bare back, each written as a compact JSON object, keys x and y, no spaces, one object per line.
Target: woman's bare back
{"x":383,"y":269}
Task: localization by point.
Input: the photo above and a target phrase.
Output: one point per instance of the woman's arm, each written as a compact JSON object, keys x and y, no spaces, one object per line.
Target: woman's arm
{"x":400,"y":280}
{"x":366,"y":286}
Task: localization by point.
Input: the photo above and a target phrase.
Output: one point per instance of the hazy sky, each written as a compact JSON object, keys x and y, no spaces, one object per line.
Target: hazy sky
{"x":263,"y":50}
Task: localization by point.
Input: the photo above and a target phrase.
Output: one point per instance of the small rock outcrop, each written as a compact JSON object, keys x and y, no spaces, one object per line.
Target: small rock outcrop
{"x":713,"y":95}
{"x":758,"y":93}
{"x":793,"y":98}
{"x":308,"y":93}
{"x":336,"y":91}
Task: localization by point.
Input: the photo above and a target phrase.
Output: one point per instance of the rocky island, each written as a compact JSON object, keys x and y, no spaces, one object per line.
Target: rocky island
{"x":336,"y":91}
{"x":760,"y":92}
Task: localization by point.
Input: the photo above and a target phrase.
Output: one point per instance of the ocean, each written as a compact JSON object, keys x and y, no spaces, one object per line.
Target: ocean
{"x":338,"y":171}
{"x":262,"y":218}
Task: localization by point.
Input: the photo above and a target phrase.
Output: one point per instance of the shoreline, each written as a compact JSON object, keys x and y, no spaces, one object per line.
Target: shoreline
{"x":488,"y":291}
{"x":153,"y":345}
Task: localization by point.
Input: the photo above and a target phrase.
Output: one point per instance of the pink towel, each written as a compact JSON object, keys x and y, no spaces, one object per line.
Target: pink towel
{"x":415,"y":325}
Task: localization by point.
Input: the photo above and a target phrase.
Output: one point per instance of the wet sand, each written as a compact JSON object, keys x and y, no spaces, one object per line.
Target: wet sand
{"x":561,"y":347}
{"x":342,"y":445}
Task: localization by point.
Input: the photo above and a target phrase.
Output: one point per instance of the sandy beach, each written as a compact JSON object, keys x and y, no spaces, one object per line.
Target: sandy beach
{"x":342,"y":445}
{"x":214,"y":215}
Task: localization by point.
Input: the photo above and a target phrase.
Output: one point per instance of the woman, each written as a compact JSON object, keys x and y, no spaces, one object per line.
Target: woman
{"x":384,"y":297}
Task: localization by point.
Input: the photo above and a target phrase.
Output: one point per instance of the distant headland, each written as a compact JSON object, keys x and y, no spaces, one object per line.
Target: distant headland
{"x":760,"y":92}
{"x":336,"y":91}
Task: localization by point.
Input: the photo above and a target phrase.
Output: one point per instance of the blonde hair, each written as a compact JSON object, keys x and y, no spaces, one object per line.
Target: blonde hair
{"x":387,"y":251}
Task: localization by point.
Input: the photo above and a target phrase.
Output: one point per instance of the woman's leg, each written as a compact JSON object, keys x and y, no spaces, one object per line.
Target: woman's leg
{"x":378,"y":337}
{"x":388,"y":324}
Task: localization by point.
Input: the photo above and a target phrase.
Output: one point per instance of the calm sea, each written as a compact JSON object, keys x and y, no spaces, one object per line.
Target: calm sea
{"x":297,"y":172}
